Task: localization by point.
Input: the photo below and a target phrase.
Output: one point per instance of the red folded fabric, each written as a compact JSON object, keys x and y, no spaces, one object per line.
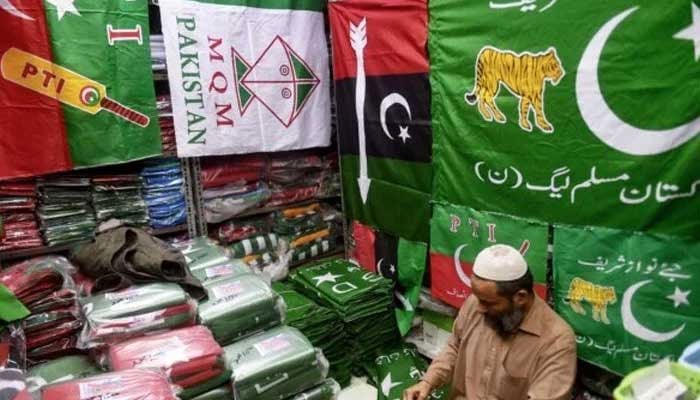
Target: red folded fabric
{"x":57,"y":348}
{"x":58,"y":332}
{"x":123,"y":385}
{"x":218,"y":171}
{"x":363,"y":246}
{"x":288,"y":195}
{"x":31,"y":284}
{"x":56,"y":300}
{"x":189,"y":356}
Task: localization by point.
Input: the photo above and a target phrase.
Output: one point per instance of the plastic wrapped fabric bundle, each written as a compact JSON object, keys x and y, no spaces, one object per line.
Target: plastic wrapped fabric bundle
{"x":240,"y":306}
{"x":221,"y":393}
{"x":281,"y":195}
{"x":133,"y":384}
{"x":219,"y":171}
{"x":19,"y":228}
{"x":209,"y":262}
{"x":33,"y":280}
{"x":312,"y":250}
{"x":235,"y":230}
{"x":255,"y":245}
{"x":164,"y":194}
{"x":190,"y":357}
{"x":328,"y":390}
{"x":59,"y":370}
{"x":65,"y":212}
{"x":219,"y":209}
{"x":275,"y":365}
{"x":13,"y":384}
{"x":111,"y":317}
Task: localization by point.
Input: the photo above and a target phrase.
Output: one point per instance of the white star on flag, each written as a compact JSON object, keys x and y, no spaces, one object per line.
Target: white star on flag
{"x":403,"y":134}
{"x":64,"y":6}
{"x":329,"y":277}
{"x":387,"y":385}
{"x":679,"y":297}
{"x":692,"y":32}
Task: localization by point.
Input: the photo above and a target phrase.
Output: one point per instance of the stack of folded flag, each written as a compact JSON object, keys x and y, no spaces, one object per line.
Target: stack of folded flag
{"x":134,"y":311}
{"x":277,"y":364}
{"x":363,"y":300}
{"x":330,"y":177}
{"x":190,"y":357}
{"x":240,"y":306}
{"x":239,"y":229}
{"x":224,"y":202}
{"x":294,"y":177}
{"x":167,"y":125}
{"x":119,"y":197}
{"x":307,"y":231}
{"x":210,"y":262}
{"x":45,"y":285}
{"x":18,"y":225}
{"x":322,"y":326}
{"x":223,"y":392}
{"x":65,"y":212}
{"x":131,"y":384}
{"x":59,"y":370}
{"x":164,"y":194}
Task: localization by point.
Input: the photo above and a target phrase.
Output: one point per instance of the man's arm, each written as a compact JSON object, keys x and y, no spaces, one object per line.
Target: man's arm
{"x":556,"y":371}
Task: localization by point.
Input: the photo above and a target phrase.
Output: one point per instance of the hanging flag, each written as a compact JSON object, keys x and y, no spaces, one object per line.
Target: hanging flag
{"x":458,"y":234}
{"x":593,"y":122}
{"x":33,"y":140}
{"x":77,"y":86}
{"x":381,"y":69}
{"x":247,"y":75}
{"x":629,"y":297}
{"x":362,"y":246}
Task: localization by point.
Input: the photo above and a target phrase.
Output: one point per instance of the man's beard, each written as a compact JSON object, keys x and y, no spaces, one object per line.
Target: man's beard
{"x":506,"y":324}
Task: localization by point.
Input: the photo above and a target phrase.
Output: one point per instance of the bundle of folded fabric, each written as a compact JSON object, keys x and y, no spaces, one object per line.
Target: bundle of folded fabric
{"x":330,"y":178}
{"x":59,"y":370}
{"x":315,"y":249}
{"x":309,"y":230}
{"x":190,"y":357}
{"x":239,"y":229}
{"x":276,"y":364}
{"x":210,"y":262}
{"x":158,"y":53}
{"x":258,"y":244}
{"x":322,"y":326}
{"x":19,"y":228}
{"x":292,"y":167}
{"x":293,"y":193}
{"x":224,"y":392}
{"x":121,"y":257}
{"x":226,"y":202}
{"x":119,"y":197}
{"x":220,"y":171}
{"x":34,"y":281}
{"x":240,"y":306}
{"x":362,"y":299}
{"x":64,"y":211}
{"x":164,"y":193}
{"x":328,"y":390}
{"x":111,"y":317}
{"x":13,"y":385}
{"x":130,"y":384}
{"x":167,"y":125}
{"x":298,"y":220}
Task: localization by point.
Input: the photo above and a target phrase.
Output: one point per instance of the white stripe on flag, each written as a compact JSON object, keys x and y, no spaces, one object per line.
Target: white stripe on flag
{"x":247,"y":246}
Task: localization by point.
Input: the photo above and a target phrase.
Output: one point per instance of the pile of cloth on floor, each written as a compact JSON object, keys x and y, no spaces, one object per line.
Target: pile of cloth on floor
{"x":47,"y":288}
{"x":224,"y":202}
{"x":190,"y":357}
{"x":128,"y":384}
{"x":276,"y":364}
{"x":119,"y":197}
{"x":240,"y":306}
{"x":19,"y":228}
{"x":164,"y":193}
{"x":135,"y":311}
{"x":322,"y":326}
{"x":363,"y":300}
{"x":64,"y":211}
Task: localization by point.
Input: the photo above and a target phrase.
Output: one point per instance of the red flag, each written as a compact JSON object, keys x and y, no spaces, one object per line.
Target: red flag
{"x":32,"y":131}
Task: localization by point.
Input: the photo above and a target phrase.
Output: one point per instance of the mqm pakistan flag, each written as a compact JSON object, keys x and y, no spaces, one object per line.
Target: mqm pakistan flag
{"x":247,"y":75}
{"x":630,"y":298}
{"x":458,"y":234}
{"x":578,"y":112}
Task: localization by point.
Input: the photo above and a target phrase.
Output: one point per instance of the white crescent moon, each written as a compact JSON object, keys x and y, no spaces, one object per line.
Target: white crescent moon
{"x":458,"y":267}
{"x":379,"y":266}
{"x":604,"y":123}
{"x":634,"y":327}
{"x":7,"y":6}
{"x":390,"y":100}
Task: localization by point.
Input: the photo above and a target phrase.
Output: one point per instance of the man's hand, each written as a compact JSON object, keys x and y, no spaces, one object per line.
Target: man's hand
{"x":419,"y":391}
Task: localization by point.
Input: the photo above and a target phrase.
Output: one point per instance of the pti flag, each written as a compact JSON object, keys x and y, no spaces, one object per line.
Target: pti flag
{"x":458,"y":234}
{"x":81,"y":79}
{"x":381,"y":69}
{"x":628,"y":296}
{"x":584,"y":112}
{"x":247,"y":76}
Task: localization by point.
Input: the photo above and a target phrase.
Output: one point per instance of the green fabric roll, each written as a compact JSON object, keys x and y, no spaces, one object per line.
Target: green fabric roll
{"x":240,"y":306}
{"x":328,"y":390}
{"x":60,"y":369}
{"x":221,"y":393}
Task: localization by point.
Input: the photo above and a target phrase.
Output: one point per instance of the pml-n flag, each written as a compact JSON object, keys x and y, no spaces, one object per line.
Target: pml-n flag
{"x":76,"y":83}
{"x":575,"y":112}
{"x":458,"y":234}
{"x":247,"y":75}
{"x":382,"y":92}
{"x":630,"y":298}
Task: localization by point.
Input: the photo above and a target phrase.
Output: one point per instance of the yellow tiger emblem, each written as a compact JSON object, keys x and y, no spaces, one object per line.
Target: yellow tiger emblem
{"x":598,"y":296}
{"x":524,"y":75}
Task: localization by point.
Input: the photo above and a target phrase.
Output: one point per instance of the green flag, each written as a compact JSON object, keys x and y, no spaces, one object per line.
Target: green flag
{"x":571,"y":112}
{"x":628,"y":297}
{"x":458,"y":234}
{"x":11,"y":309}
{"x":104,"y":51}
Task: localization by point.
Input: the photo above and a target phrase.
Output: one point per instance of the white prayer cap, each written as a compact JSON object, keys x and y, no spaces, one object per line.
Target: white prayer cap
{"x":500,"y":263}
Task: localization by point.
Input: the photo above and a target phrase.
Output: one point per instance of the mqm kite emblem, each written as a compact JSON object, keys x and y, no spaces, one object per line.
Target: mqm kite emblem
{"x":280,"y":79}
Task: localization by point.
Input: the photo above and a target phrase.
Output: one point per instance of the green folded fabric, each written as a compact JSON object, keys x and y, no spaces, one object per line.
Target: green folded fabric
{"x":240,"y":306}
{"x":211,"y":385}
{"x":11,"y":309}
{"x":274,"y":365}
{"x":211,"y":274}
{"x":254,"y":245}
{"x":221,"y":393}
{"x":328,"y":390}
{"x":60,"y":369}
{"x":207,"y":256}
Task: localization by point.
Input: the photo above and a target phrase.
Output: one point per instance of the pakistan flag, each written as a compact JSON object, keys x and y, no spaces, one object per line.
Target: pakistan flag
{"x":584,"y":113}
{"x":631,"y":299}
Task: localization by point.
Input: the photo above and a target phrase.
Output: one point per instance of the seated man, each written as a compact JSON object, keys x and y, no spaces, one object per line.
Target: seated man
{"x":506,"y":342}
